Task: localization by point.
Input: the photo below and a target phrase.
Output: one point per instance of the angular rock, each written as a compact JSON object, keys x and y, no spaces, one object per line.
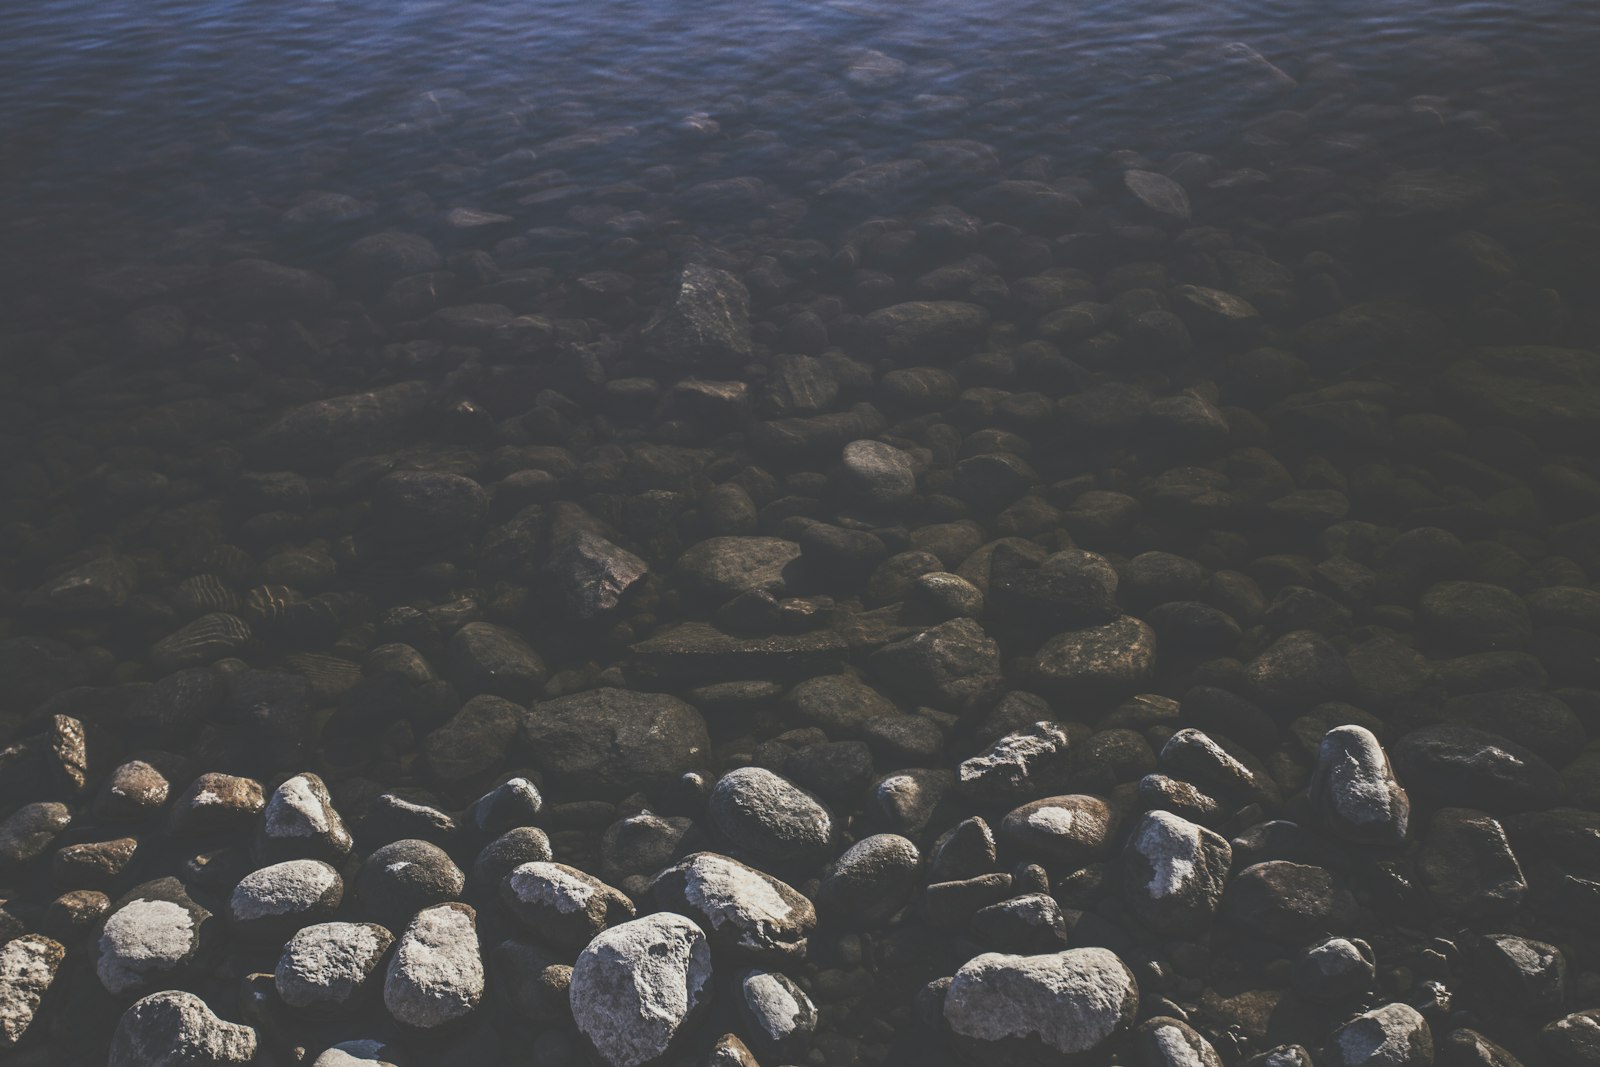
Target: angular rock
{"x":1020,"y":765}
{"x":1395,"y":1035}
{"x":28,"y":967}
{"x":776,"y":1013}
{"x":593,"y":575}
{"x":1174,"y":873}
{"x":300,"y":822}
{"x":704,"y":325}
{"x":947,"y":666}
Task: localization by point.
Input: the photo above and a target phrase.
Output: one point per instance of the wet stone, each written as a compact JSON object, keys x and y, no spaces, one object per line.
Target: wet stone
{"x":608,"y":742}
{"x":705,"y":324}
{"x":1109,"y":660}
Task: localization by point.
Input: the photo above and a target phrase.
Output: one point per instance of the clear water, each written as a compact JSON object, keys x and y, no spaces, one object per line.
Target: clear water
{"x":1365,"y":146}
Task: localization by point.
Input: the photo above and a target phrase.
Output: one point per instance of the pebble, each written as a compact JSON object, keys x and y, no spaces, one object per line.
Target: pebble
{"x":436,"y":973}
{"x":562,"y":905}
{"x":777,"y":1015}
{"x":325,"y":967}
{"x":153,"y":935}
{"x":1063,"y":831}
{"x":770,"y":819}
{"x":1070,"y":1003}
{"x":28,"y":968}
{"x":178,"y":1029}
{"x":870,"y":881}
{"x":639,"y":986}
{"x":1354,"y":791}
{"x":742,"y":910}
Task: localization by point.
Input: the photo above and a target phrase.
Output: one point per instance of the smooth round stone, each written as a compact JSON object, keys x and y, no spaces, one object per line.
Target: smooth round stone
{"x":323,"y":968}
{"x":879,"y":473}
{"x":871,"y":880}
{"x":742,"y":910}
{"x":1354,"y":792}
{"x":436,"y":974}
{"x":1168,"y":1042}
{"x":274,"y":900}
{"x":519,"y":845}
{"x":562,"y":905}
{"x":639,"y":985}
{"x":403,"y":877}
{"x":1066,"y":831}
{"x":1109,"y":660}
{"x":1040,"y":1009}
{"x":359,"y":1053}
{"x":778,"y":1016}
{"x":770,"y":818}
{"x":152,"y":936}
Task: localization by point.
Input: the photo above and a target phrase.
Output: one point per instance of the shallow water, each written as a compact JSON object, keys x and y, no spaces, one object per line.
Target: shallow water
{"x":1284,"y":313}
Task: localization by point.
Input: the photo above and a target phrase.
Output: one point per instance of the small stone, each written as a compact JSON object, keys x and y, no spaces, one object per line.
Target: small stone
{"x":436,"y":975}
{"x":770,"y":818}
{"x":29,"y":831}
{"x":1174,"y":873}
{"x":403,"y":877}
{"x":513,"y":803}
{"x":704,"y":325}
{"x":1289,"y":902}
{"x":1395,"y":1035}
{"x":133,"y":790}
{"x":1336,"y":969}
{"x":359,"y":1053}
{"x":216,"y":804}
{"x":1107,"y":661}
{"x":1043,"y":1009}
{"x":562,"y":905}
{"x":518,"y":845}
{"x":28,"y":966}
{"x":1467,"y":866}
{"x":1030,"y":923}
{"x":485,"y":658}
{"x":638,"y":986}
{"x":177,"y":1029}
{"x":947,"y":666}
{"x":1354,"y":791}
{"x":299,"y":822}
{"x":269,"y":903}
{"x":1161,"y":198}
{"x":777,"y":1014}
{"x":1167,"y":1042}
{"x":1063,"y":831}
{"x":871,"y":881}
{"x":325,"y":967}
{"x":154,"y":935}
{"x":741,"y":909}
{"x":1025,"y":764}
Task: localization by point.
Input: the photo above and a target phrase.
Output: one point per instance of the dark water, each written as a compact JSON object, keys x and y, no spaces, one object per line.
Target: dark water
{"x":1287,"y":314}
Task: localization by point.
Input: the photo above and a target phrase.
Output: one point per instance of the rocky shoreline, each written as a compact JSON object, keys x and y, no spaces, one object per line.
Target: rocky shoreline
{"x":1104,"y":613}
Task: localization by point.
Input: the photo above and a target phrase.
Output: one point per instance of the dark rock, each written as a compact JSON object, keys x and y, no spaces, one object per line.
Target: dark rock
{"x":473,"y":744}
{"x":1063,"y":831}
{"x":1457,"y":765}
{"x":1018,"y":766}
{"x":609,"y":742}
{"x":947,"y":666}
{"x":870,"y":881}
{"x":1335,"y":969}
{"x":1111,"y":660}
{"x":770,"y":820}
{"x":1289,"y":902}
{"x":1167,"y":1042}
{"x":518,"y":845}
{"x":403,"y":877}
{"x":1467,"y":866}
{"x":704,"y":325}
{"x":299,"y":822}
